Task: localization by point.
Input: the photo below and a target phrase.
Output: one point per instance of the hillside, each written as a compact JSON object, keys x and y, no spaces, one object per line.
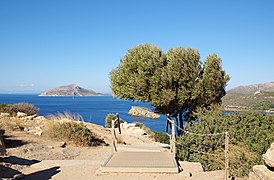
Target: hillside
{"x":70,"y":90}
{"x":256,"y":96}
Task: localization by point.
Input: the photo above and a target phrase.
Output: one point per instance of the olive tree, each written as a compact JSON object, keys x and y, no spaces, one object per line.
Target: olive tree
{"x":175,"y":82}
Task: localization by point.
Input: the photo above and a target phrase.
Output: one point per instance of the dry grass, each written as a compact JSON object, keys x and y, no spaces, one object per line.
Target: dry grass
{"x":70,"y":127}
{"x":66,"y":116}
{"x":11,"y":124}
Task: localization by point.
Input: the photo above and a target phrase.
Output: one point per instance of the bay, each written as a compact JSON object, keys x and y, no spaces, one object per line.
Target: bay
{"x":93,"y":109}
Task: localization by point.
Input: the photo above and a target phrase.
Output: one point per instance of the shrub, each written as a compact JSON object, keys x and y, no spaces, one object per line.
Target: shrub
{"x":109,"y":118}
{"x":250,"y":136}
{"x":161,"y":137}
{"x":75,"y":132}
{"x":27,"y":108}
{"x":140,"y":125}
{"x":12,"y":109}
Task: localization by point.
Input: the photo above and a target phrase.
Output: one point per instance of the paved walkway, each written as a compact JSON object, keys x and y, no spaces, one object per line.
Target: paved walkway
{"x":157,"y":162}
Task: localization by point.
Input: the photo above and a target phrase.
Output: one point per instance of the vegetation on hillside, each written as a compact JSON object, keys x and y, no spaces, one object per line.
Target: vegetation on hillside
{"x":261,"y":101}
{"x":250,"y":136}
{"x":174,"y":82}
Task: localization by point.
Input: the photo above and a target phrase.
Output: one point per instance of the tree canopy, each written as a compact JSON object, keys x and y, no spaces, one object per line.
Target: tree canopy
{"x":175,"y":82}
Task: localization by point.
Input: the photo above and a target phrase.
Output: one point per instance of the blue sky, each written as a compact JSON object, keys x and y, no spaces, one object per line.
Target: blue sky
{"x":47,"y":43}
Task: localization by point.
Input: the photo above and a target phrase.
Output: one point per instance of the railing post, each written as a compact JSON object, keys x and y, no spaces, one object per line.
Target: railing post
{"x":226,"y":156}
{"x":114,"y":139}
{"x":118,"y":119}
{"x":173,"y":139}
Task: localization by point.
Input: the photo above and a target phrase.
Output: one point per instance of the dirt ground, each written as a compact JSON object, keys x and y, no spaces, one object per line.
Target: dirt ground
{"x":39,"y":157}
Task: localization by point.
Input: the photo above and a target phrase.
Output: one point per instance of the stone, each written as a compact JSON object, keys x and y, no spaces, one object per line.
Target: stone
{"x":21,"y":114}
{"x":142,"y":112}
{"x":269,"y":156}
{"x":262,"y":172}
{"x":39,"y":133}
{"x":62,"y":144}
{"x":31,"y":117}
{"x":129,"y":125}
{"x":40,"y":118}
{"x":2,"y":115}
{"x":252,"y":176}
{"x":191,"y":168}
{"x":18,"y":176}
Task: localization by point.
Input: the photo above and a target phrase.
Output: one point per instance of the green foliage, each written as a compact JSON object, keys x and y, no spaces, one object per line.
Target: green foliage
{"x":78,"y":133}
{"x":109,"y":118}
{"x":250,"y":136}
{"x":138,"y":124}
{"x":12,"y":109}
{"x":173,"y":82}
{"x":161,"y":137}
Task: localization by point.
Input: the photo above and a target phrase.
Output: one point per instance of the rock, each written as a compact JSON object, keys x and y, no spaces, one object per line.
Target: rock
{"x":18,"y":176}
{"x":262,"y":172}
{"x":191,"y":168}
{"x":128,"y":125}
{"x":39,"y":133}
{"x":269,"y":156}
{"x":21,"y":114}
{"x":40,"y":118}
{"x":31,"y":117}
{"x":138,"y":131}
{"x":62,"y":144}
{"x":252,"y":176}
{"x":4,"y":115}
{"x":142,"y":112}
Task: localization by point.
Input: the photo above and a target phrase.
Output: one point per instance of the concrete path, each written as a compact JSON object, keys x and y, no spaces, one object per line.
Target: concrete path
{"x":140,"y":162}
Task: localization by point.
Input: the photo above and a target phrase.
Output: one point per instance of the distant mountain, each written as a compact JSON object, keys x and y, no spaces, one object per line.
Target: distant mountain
{"x":256,"y":96}
{"x":251,"y":89}
{"x":70,"y":90}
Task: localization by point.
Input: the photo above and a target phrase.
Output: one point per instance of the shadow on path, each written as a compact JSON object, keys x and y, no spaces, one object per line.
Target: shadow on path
{"x":43,"y":174}
{"x":20,"y":161}
{"x":6,"y":163}
{"x":12,"y":143}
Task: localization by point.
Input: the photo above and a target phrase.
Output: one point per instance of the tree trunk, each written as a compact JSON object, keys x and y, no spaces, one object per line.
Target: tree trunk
{"x":181,"y":120}
{"x":177,"y":124}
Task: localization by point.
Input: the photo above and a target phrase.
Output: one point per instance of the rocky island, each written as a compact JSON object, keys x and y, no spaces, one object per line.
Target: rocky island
{"x":143,"y":112}
{"x":70,"y":90}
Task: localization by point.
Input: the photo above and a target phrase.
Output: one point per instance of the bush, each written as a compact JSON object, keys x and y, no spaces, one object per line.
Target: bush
{"x":12,"y":109}
{"x":109,"y":118}
{"x":27,"y":108}
{"x":76,"y":132}
{"x":250,"y":136}
{"x":161,"y":137}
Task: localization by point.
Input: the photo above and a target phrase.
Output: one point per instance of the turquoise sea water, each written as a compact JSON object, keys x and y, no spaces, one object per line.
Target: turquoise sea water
{"x":92,"y":109}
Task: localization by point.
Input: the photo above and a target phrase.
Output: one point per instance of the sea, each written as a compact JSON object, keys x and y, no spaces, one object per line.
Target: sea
{"x":93,"y":109}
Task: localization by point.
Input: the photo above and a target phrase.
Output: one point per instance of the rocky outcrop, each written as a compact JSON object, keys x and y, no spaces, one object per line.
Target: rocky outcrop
{"x":142,"y":112}
{"x":262,"y":171}
{"x":2,"y":115}
{"x":70,"y":90}
{"x":133,"y":128}
{"x":21,"y":114}
{"x":269,"y":156}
